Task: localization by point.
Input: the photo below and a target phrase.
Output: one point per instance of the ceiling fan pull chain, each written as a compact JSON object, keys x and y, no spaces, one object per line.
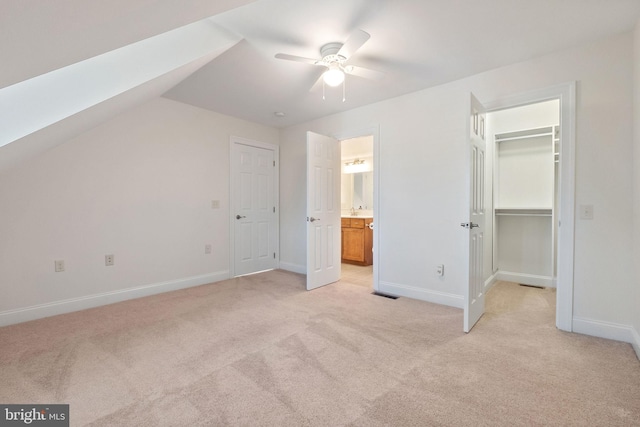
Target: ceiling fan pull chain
{"x":344,"y":96}
{"x":323,"y":84}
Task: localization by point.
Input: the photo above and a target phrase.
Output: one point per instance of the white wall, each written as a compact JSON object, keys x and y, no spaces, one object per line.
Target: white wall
{"x":411,"y":178}
{"x":423,"y":184}
{"x":532,"y":116}
{"x":636,"y":187}
{"x":140,"y":187}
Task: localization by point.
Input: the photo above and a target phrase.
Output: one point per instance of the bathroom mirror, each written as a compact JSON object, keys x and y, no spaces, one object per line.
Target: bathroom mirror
{"x":361,"y":190}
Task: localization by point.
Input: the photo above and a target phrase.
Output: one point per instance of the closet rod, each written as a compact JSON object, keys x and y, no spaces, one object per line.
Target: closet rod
{"x":513,"y":138}
{"x":523,"y":214}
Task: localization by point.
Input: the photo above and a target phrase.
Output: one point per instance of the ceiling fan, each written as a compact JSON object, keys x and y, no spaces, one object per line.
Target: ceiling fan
{"x":334,"y":57}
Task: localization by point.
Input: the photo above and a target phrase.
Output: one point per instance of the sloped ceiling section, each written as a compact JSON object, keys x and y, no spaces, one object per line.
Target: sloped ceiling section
{"x":11,"y":155}
{"x":32,"y":105}
{"x":37,"y":37}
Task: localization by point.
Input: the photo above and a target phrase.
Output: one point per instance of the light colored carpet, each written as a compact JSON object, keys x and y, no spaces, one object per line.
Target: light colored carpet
{"x":260,"y":350}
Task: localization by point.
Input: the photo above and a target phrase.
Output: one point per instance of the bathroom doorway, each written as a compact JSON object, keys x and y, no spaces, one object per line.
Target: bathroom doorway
{"x":356,"y":204}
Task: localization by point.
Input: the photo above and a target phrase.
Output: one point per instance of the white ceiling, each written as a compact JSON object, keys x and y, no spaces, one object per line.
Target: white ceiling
{"x":417,"y":43}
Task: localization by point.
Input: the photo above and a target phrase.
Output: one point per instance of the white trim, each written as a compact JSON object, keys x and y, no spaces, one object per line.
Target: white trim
{"x":636,"y":341}
{"x":566,"y":93}
{"x":525,"y":279}
{"x":435,"y":297}
{"x":276,"y":195}
{"x":488,"y":284}
{"x":54,"y":308}
{"x":598,"y":328}
{"x":373,"y":130}
{"x":295,"y":268}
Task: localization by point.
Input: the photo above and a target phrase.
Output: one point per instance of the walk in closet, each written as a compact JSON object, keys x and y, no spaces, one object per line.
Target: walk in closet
{"x":525,"y":193}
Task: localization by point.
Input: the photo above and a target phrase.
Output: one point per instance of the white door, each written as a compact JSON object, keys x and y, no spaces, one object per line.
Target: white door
{"x":253,"y":209}
{"x":323,"y":210}
{"x":474,"y":298}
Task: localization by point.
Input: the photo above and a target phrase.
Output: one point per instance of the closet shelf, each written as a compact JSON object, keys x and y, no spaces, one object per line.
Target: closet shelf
{"x":524,"y":134}
{"x":524,"y":211}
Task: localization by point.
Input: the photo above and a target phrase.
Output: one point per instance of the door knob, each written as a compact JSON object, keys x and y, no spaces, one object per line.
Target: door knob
{"x":240,"y":216}
{"x":314,"y":219}
{"x":469,"y":225}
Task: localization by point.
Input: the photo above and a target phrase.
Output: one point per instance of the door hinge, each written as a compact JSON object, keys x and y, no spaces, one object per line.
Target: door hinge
{"x":274,"y":163}
{"x":274,"y":209}
{"x":274,"y":255}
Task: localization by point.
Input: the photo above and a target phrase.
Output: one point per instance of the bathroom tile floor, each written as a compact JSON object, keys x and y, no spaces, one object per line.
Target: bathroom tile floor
{"x":357,"y":275}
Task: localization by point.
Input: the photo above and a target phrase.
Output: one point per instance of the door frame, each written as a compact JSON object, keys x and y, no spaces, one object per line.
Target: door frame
{"x":566,"y":94}
{"x":373,"y":130}
{"x":232,"y":196}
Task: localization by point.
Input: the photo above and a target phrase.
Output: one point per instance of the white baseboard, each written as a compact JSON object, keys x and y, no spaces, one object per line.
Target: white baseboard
{"x":612,"y":331}
{"x":636,"y":341}
{"x":54,"y":308}
{"x":436,"y":297}
{"x":526,"y":279}
{"x":296,"y":268}
{"x":488,"y":284}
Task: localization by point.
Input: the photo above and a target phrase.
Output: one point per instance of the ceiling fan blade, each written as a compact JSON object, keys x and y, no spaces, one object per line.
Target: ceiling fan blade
{"x":353,"y":43}
{"x":363,"y":72}
{"x":297,"y":58}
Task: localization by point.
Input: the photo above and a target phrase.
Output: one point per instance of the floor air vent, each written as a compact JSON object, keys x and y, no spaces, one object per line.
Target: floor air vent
{"x":531,"y":286}
{"x":383,"y":295}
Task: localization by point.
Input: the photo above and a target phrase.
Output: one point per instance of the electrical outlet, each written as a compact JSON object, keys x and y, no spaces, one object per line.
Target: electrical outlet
{"x":215,"y":204}
{"x":109,"y":260}
{"x":207,"y":249}
{"x":440,"y":270}
{"x":59,"y":265}
{"x":586,"y":211}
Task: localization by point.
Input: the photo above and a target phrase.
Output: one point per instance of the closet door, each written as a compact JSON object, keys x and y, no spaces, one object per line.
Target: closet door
{"x":474,"y":298}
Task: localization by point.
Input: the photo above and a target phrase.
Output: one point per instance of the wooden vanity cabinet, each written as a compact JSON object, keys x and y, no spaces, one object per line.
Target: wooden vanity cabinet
{"x":357,"y":241}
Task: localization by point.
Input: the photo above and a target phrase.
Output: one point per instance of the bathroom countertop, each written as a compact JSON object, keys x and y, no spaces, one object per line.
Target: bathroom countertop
{"x":357,"y":216}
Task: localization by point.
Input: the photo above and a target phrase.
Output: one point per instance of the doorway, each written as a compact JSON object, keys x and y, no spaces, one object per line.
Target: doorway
{"x":356,"y":209}
{"x":525,"y":142}
{"x":564,"y":196}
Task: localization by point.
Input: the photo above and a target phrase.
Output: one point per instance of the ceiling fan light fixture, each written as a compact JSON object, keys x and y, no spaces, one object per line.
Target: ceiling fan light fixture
{"x":334,"y":76}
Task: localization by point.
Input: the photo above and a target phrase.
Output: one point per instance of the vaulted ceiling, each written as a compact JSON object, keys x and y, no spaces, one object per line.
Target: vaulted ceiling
{"x":219,"y":55}
{"x":416,"y":43}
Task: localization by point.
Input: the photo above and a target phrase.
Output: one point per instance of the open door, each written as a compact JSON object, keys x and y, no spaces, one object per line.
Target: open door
{"x":323,"y":210}
{"x":474,"y":298}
